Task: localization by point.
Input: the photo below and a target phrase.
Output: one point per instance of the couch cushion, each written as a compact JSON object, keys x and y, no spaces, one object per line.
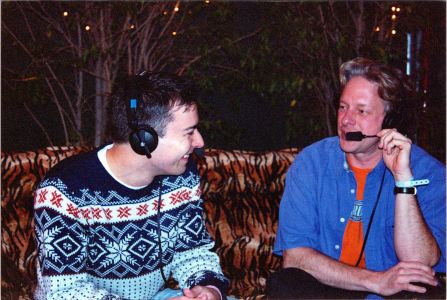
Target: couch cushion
{"x":20,"y":174}
{"x":241,"y":191}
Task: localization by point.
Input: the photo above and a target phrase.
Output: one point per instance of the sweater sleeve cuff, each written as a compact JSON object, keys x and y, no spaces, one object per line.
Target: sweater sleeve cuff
{"x":208,"y":278}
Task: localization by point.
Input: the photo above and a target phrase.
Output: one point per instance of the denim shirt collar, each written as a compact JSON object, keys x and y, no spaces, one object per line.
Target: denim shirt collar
{"x":346,"y":169}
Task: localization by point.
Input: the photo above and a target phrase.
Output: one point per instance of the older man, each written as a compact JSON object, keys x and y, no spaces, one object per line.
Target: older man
{"x":363,"y":213}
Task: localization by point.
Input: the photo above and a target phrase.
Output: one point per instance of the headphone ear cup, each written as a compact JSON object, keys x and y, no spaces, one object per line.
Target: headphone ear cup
{"x":144,"y":140}
{"x":393,"y":119}
{"x":387,"y":121}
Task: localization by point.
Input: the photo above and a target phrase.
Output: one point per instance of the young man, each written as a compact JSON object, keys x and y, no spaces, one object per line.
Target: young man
{"x":363,"y":213}
{"x":114,"y":223}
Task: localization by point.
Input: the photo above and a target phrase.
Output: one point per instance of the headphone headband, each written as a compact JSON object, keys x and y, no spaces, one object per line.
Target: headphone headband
{"x":143,"y":138}
{"x":132,"y":115}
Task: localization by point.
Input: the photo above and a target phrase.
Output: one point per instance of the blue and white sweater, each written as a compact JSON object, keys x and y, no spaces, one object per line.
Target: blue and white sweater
{"x":97,"y":239}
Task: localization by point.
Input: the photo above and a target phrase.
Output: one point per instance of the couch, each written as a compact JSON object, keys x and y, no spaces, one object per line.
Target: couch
{"x":241,"y":192}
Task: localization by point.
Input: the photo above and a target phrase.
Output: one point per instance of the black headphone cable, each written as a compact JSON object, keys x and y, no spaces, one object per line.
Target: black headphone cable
{"x":372,"y":216}
{"x":160,"y":249}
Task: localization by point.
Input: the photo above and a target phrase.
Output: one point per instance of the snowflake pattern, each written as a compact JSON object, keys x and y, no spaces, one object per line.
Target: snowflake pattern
{"x":180,"y":196}
{"x":142,"y":209}
{"x":118,"y":251}
{"x":56,"y":199}
{"x":44,"y":241}
{"x":113,"y":235}
{"x":42,"y":196}
{"x":56,"y":248}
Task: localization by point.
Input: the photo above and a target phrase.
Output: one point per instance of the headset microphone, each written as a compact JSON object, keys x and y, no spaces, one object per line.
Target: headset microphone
{"x":356,"y":136}
{"x":200,"y":152}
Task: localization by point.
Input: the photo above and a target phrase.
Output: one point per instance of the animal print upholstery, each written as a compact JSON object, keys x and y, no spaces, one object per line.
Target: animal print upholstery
{"x":241,"y":191}
{"x":20,"y":174}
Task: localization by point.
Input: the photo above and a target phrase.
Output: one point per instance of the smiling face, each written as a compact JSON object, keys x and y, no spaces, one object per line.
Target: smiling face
{"x":180,"y":139}
{"x":361,"y":109}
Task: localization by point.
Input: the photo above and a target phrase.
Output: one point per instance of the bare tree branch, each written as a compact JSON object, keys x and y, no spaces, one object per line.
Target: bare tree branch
{"x":185,"y":66}
{"x":47,"y":136}
{"x":59,"y":109}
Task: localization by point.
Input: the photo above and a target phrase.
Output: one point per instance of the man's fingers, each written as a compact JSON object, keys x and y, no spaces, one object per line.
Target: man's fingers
{"x":414,"y":288}
{"x":414,"y":278}
{"x":390,"y":138}
{"x":390,"y":142}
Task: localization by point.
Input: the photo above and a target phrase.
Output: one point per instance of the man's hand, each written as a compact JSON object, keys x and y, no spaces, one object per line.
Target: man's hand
{"x":396,"y":153}
{"x":403,"y":277}
{"x":199,"y":292}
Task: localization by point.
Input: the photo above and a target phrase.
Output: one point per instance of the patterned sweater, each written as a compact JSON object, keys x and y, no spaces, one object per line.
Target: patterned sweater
{"x":98,"y":239}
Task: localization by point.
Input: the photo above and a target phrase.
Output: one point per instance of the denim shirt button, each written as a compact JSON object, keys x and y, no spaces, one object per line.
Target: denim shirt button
{"x":342,"y":220}
{"x":337,"y":247}
{"x":352,"y":191}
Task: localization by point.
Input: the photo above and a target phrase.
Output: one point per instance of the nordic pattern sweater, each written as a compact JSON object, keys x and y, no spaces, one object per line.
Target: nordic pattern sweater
{"x":98,"y":239}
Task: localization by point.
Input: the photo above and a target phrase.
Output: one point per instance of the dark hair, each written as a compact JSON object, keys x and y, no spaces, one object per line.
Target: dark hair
{"x":157,"y":94}
{"x":393,"y":87}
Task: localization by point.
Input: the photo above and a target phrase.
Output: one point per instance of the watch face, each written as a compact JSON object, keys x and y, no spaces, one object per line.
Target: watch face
{"x":405,"y":190}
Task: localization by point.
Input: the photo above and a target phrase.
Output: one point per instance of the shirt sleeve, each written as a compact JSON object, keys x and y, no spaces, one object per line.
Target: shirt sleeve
{"x":432,"y":201}
{"x":298,"y":218}
{"x":62,"y":249}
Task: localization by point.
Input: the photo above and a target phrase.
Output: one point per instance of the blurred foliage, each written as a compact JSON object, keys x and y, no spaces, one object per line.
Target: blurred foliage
{"x":290,"y":67}
{"x":268,"y":71}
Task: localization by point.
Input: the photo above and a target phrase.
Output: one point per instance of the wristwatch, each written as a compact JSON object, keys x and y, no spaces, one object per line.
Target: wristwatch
{"x":405,"y":190}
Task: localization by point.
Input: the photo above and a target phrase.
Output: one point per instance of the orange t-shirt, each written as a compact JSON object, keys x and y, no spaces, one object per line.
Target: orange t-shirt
{"x":353,"y":236}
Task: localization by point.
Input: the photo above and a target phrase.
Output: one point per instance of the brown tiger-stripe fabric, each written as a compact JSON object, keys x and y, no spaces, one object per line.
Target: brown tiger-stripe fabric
{"x":21,"y":173}
{"x":241,"y":191}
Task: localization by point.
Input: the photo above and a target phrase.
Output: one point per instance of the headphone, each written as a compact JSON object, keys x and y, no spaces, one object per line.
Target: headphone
{"x":400,"y":112}
{"x":393,"y":118}
{"x":143,"y":138}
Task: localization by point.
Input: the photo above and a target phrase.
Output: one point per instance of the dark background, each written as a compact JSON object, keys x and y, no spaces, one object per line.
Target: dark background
{"x":259,"y":93}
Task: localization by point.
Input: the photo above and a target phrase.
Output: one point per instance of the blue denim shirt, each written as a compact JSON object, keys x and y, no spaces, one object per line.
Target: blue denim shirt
{"x":320,"y":194}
